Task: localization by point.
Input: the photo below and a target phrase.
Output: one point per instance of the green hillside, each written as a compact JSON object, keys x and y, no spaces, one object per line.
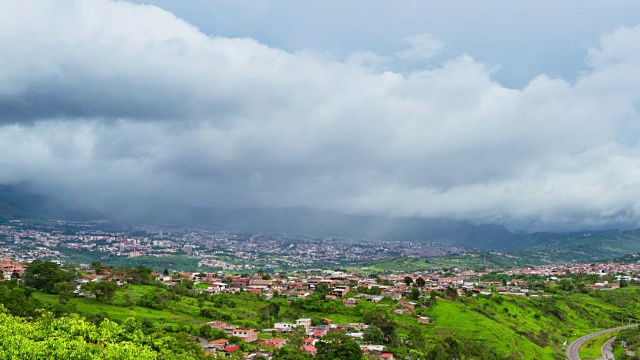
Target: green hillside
{"x":9,"y":212}
{"x":522,"y":327}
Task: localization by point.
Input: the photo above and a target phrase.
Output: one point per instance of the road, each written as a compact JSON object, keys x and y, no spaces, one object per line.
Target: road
{"x":204,"y":343}
{"x":573,"y":350}
{"x":607,"y":349}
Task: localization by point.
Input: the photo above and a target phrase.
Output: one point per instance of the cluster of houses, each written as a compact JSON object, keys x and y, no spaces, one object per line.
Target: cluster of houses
{"x":222,"y":347}
{"x":211,"y":248}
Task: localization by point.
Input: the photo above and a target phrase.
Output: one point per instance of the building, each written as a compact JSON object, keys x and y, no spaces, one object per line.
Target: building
{"x":304,"y":322}
{"x":283,"y":326}
{"x":309,"y":349}
{"x":274,"y":343}
{"x":11,"y":269}
{"x":246,"y":335}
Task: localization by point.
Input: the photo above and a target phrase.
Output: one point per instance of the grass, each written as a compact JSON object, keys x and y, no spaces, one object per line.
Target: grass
{"x":524,"y":327}
{"x":509,"y":333}
{"x":184,"y":311}
{"x":476,"y":260}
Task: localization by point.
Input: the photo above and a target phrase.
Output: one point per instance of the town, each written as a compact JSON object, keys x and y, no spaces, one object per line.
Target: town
{"x":217,"y":250}
{"x":249,"y":268}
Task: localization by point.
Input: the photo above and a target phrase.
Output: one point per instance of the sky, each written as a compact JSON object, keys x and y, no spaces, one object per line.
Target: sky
{"x":526,"y":115}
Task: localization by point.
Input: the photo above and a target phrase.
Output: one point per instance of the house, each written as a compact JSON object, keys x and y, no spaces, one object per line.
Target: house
{"x":372,"y":349}
{"x":357,"y":326}
{"x":11,"y":269}
{"x":239,"y":284}
{"x":387,"y":356}
{"x":408,"y":304}
{"x":230,"y":349}
{"x":309,"y":349}
{"x":340,"y":291}
{"x":220,"y":343}
{"x":350,"y":302}
{"x":283,"y":326}
{"x":274,"y":343}
{"x":318,"y":333}
{"x":263,"y":353}
{"x":304,"y":322}
{"x":246,"y":335}
{"x":424,"y":320}
{"x":256,"y":289}
{"x":391,"y":295}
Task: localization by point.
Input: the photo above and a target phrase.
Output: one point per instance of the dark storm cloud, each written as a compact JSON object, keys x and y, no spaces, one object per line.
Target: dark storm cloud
{"x":119,"y":105}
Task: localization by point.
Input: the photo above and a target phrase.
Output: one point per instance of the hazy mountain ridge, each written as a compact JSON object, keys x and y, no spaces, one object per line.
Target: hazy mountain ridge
{"x":17,"y":202}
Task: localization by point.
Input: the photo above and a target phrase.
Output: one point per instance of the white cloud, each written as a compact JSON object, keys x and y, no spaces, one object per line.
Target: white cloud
{"x":421,"y":47}
{"x":110,"y":101}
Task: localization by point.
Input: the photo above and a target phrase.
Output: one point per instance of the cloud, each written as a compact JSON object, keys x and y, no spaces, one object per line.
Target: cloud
{"x":114,"y":104}
{"x":421,"y":47}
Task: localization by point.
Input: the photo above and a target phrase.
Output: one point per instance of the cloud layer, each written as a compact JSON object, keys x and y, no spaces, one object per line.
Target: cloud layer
{"x":112,"y":104}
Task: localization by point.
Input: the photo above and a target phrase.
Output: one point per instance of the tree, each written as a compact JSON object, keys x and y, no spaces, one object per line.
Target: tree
{"x":421,"y":282}
{"x":383,"y":321}
{"x":566,"y":285}
{"x":17,"y":299}
{"x":44,"y":275}
{"x":296,"y":338}
{"x":75,"y":338}
{"x":415,"y":293}
{"x":322,"y":290}
{"x":416,"y":338}
{"x":165,"y":272}
{"x":289,"y":353}
{"x":97,"y":267}
{"x":65,"y":290}
{"x":336,"y":345}
{"x":452,"y":293}
{"x":623,"y":283}
{"x":373,"y":335}
{"x":129,"y":299}
{"x":408,"y":280}
{"x":140,"y":275}
{"x":103,"y":290}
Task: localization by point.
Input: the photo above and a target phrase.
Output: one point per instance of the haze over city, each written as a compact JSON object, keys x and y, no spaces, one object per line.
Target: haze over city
{"x":520,"y":115}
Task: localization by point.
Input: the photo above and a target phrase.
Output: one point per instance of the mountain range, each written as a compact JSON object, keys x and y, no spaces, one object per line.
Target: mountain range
{"x":19,"y":202}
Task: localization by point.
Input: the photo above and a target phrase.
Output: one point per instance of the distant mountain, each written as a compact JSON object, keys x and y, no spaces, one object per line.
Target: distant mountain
{"x":582,"y":246}
{"x":19,"y":202}
{"x":304,"y":221}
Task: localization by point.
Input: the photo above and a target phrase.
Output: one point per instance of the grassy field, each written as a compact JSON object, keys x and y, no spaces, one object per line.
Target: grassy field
{"x":476,"y":260}
{"x":526,"y":328}
{"x":180,"y":312}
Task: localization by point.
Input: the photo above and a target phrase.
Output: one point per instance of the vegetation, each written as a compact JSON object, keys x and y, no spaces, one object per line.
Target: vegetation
{"x":337,"y":346}
{"x":72,"y":337}
{"x":592,"y":349}
{"x":149,"y":314}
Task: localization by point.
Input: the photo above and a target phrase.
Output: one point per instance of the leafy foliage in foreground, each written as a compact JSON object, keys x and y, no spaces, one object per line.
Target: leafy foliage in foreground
{"x":75,"y":338}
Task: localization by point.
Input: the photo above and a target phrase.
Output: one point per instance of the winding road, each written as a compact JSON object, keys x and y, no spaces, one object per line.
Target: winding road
{"x":607,"y":349}
{"x":573,"y":350}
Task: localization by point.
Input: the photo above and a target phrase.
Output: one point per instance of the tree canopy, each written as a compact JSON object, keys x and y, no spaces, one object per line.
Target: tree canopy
{"x":337,"y":346}
{"x":44,"y":275}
